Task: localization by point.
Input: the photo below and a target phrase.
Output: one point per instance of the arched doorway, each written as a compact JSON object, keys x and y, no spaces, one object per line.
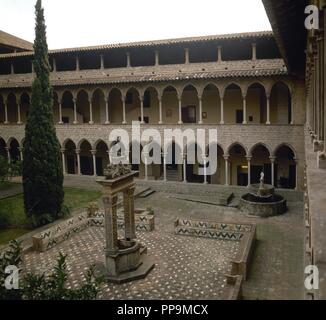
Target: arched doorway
{"x":24,"y":107}
{"x":99,"y":106}
{"x":281,"y":104}
{"x":170,"y":105}
{"x":86,"y":159}
{"x":14,"y":151}
{"x":238,"y":169}
{"x":174,"y":170}
{"x":256,"y":104}
{"x":151,"y":106}
{"x":193,"y":164}
{"x":133,"y":111}
{"x":233,"y":105}
{"x":70,"y":157}
{"x":190,"y":102}
{"x":211,"y":104}
{"x":102,"y":157}
{"x":219,"y":176}
{"x":260,"y":162}
{"x":285,"y":167}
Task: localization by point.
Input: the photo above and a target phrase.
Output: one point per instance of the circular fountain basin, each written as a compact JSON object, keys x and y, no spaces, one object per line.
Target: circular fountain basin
{"x":262,"y":202}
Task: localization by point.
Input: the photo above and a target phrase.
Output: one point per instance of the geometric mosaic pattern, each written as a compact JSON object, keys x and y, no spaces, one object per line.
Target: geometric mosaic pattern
{"x":63,"y":231}
{"x":213,"y":230}
{"x":185,"y":268}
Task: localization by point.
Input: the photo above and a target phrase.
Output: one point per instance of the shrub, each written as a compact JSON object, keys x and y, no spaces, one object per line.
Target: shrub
{"x":4,"y":169}
{"x":42,"y":287}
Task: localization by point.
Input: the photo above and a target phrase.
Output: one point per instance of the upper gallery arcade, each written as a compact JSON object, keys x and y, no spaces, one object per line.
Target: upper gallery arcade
{"x":236,"y":80}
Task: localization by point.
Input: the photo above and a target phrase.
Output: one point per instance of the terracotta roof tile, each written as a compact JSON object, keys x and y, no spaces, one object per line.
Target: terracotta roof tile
{"x":229,"y":69}
{"x":15,"y":42}
{"x":155,"y":43}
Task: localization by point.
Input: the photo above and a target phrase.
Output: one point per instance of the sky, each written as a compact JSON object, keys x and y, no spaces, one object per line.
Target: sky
{"x":75,"y":23}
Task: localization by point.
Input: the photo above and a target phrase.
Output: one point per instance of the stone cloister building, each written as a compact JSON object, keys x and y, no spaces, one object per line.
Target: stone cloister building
{"x":238,"y":84}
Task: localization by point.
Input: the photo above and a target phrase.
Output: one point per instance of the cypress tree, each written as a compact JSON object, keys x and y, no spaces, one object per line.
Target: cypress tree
{"x":42,"y":166}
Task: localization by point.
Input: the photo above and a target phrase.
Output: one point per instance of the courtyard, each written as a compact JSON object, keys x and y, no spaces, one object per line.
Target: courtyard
{"x":190,"y":267}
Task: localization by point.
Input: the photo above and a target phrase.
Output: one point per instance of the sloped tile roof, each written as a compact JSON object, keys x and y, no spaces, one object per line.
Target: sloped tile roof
{"x":155,"y":43}
{"x":14,"y":42}
{"x":212,"y":70}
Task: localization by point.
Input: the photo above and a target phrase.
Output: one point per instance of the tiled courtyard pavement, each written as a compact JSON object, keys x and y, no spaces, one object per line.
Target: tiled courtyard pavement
{"x":192,"y":268}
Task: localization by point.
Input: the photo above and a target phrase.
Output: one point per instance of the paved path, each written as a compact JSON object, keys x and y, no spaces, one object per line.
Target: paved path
{"x":191,"y":268}
{"x":12,"y":191}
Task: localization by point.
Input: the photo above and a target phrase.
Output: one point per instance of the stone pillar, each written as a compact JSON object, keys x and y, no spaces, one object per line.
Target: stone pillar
{"x":6,"y":112}
{"x":164,"y":167}
{"x":296,"y":174}
{"x":90,"y":111}
{"x":60,"y":111}
{"x":222,"y":110}
{"x":77,"y":64}
{"x":102,"y":62}
{"x":142,"y":110}
{"x":157,"y":58}
{"x":63,"y":161}
{"x":75,"y":111}
{"x":205,"y":169}
{"x":12,"y":69}
{"x":268,"y":109}
{"x":249,"y":171}
{"x":187,"y":56}
{"x":254,"y":51}
{"x":54,"y":65}
{"x":200,"y":109}
{"x":128,"y":60}
{"x":111,"y":226}
{"x":227,"y":180}
{"x":129,"y":214}
{"x":324,"y":81}
{"x":273,"y":170}
{"x":78,"y":162}
{"x":180,"y":110}
{"x":184,"y":168}
{"x":8,"y":154}
{"x":160,"y":110}
{"x":292,"y":108}
{"x":219,"y":54}
{"x":93,"y":152}
{"x":33,"y":69}
{"x":21,"y":154}
{"x":107,"y":114}
{"x":124,"y":121}
{"x":146,"y":165}
{"x":244,"y":109}
{"x":18,"y":113}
